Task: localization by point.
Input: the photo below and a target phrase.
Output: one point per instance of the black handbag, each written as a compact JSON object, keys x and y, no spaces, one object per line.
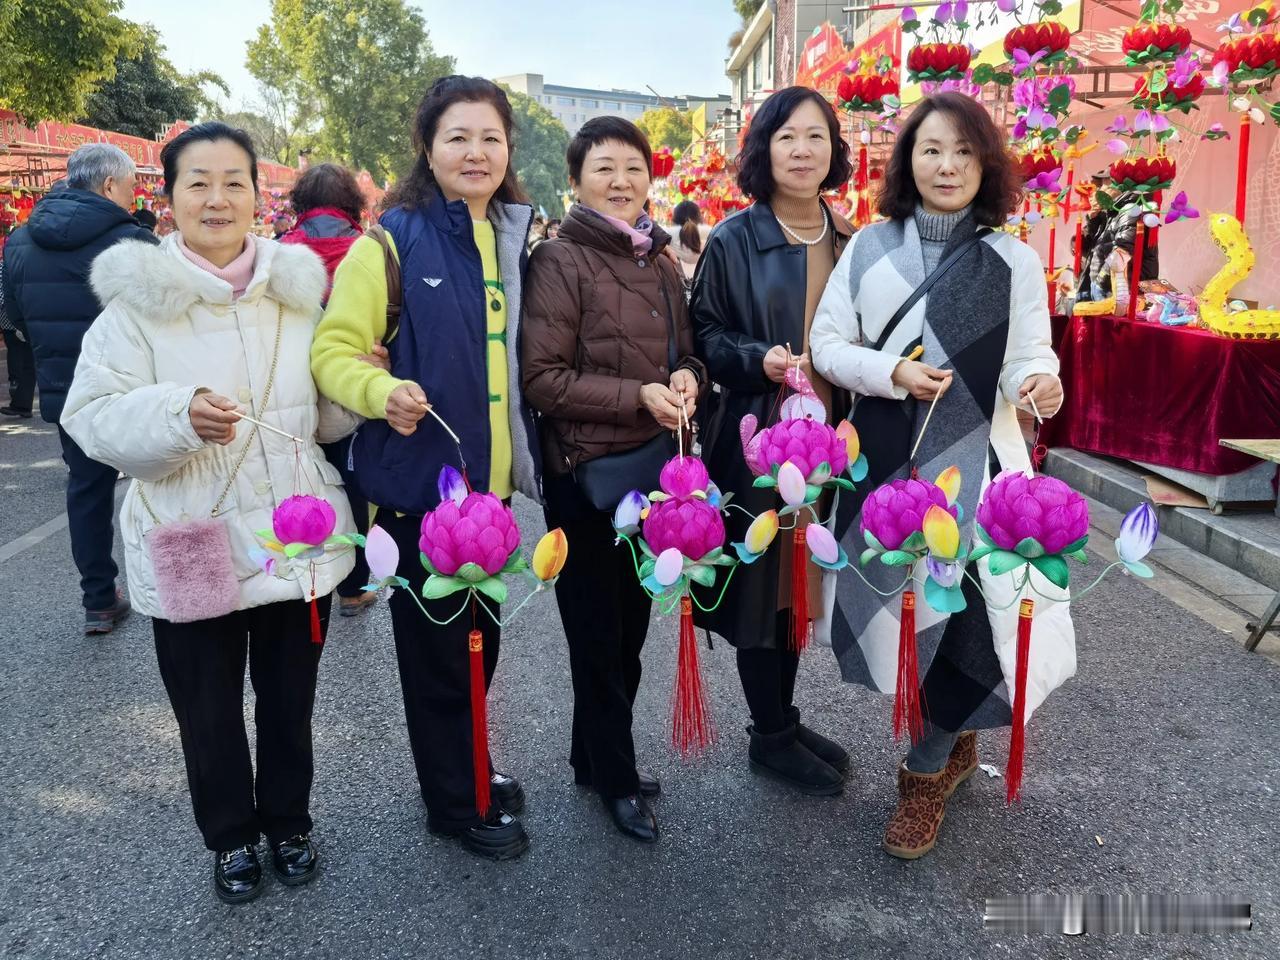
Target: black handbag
{"x":605,"y":480}
{"x":884,"y":422}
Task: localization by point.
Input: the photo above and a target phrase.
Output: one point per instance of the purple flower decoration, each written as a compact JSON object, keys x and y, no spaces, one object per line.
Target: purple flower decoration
{"x":1119,"y":125}
{"x":1216,"y":132}
{"x":945,"y":574}
{"x":909,"y":14}
{"x":943,"y":13}
{"x":1020,"y":129}
{"x":1006,"y":6}
{"x":960,"y":11}
{"x":1117,"y":146}
{"x":1142,"y":122}
{"x":451,"y":485}
{"x":1046,"y":182}
{"x":1040,"y":119}
{"x":1183,"y":69}
{"x":1022,"y":62}
{"x":1180,"y":209}
{"x":1221,"y":75}
{"x":1138,"y":534}
{"x":1160,"y":123}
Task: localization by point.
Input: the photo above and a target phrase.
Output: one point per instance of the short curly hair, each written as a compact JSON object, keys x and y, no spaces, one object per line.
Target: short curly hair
{"x":328,"y":185}
{"x":755,"y":165}
{"x":1000,"y":191}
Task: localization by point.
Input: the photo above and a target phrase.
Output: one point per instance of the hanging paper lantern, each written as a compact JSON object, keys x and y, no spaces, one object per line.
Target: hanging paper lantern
{"x":1148,"y":42}
{"x":866,"y":92}
{"x":1143,"y":174}
{"x":938,"y":61}
{"x":893,"y":515}
{"x":1036,"y":162}
{"x":303,"y":519}
{"x":1252,"y":57}
{"x":473,"y":540}
{"x":692,"y":527}
{"x":1017,"y":509}
{"x":1032,"y":38}
{"x":1171,"y":98}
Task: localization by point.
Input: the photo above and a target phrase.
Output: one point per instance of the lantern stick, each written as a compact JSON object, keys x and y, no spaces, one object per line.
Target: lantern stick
{"x":267,"y":426}
{"x":925,"y":426}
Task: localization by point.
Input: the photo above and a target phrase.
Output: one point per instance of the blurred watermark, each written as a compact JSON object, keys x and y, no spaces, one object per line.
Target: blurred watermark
{"x":1118,"y":913}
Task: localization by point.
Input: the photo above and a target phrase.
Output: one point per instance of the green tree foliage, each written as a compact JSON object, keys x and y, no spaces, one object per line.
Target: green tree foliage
{"x":55,"y":53}
{"x":352,"y":73}
{"x":147,"y":93}
{"x":540,"y":144}
{"x":272,"y":142}
{"x":747,"y":9}
{"x":666,"y":127}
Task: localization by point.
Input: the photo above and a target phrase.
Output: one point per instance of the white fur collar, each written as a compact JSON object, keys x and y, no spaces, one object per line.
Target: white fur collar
{"x":162,"y":284}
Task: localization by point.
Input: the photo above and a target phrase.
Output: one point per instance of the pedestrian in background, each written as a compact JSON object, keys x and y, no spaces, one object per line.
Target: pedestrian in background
{"x":328,"y":203}
{"x":762,"y":273}
{"x":608,"y":361}
{"x":211,"y":324}
{"x":21,"y":364}
{"x":47,"y":295}
{"x":456,"y":227}
{"x":690,"y":237}
{"x":948,"y":185}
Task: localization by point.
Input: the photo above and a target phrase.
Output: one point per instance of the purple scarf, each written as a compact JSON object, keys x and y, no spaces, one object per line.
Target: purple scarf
{"x":640,"y":234}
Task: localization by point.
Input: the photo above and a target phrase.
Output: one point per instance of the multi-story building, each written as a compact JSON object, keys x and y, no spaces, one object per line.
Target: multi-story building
{"x":574,"y":106}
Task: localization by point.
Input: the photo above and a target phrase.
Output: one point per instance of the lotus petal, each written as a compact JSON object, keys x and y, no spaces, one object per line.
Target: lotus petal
{"x":762,"y":531}
{"x":381,"y":554}
{"x":941,"y":532}
{"x":949,"y":483}
{"x":1138,"y":533}
{"x":821,"y":543}
{"x":669,"y":566}
{"x":944,"y":574}
{"x":626,"y":518}
{"x":550,"y":555}
{"x":847,"y":432}
{"x":791,"y":484}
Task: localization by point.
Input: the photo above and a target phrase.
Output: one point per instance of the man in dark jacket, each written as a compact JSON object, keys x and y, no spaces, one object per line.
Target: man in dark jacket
{"x":47,"y":294}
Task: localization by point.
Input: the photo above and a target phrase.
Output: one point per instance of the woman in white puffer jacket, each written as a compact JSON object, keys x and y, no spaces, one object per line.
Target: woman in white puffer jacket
{"x":213,"y":323}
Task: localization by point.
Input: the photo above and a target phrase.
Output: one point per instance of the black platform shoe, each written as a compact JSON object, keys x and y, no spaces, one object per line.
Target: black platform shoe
{"x":295,"y":861}
{"x":237,"y":874}
{"x":500,"y":837}
{"x":507,"y":791}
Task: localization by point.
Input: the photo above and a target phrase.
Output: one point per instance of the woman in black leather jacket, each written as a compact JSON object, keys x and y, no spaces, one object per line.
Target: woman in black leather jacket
{"x":754,"y":296}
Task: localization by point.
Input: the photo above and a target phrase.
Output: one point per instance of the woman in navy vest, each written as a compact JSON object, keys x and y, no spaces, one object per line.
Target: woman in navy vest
{"x":457,"y":225}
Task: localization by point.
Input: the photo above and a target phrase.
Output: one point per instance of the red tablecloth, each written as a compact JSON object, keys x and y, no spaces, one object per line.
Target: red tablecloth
{"x":1164,"y":395}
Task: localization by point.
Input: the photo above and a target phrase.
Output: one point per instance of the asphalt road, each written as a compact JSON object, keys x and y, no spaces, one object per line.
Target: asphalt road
{"x":1155,"y":770}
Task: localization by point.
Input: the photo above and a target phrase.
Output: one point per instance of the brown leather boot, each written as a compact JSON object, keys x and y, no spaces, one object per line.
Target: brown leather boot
{"x":922,"y":800}
{"x":962,"y":762}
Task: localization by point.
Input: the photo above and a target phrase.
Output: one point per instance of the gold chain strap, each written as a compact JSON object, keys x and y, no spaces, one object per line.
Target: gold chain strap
{"x":244,"y":450}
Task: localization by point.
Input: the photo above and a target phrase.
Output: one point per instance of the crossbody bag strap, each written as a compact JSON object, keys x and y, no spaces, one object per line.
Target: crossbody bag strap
{"x":938,"y":272}
{"x":253,"y":433}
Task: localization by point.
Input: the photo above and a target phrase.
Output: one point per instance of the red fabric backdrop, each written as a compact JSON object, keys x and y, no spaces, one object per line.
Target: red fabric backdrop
{"x":1164,"y":395}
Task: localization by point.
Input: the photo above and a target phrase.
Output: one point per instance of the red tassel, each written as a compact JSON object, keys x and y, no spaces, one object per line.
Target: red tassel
{"x":1017,"y":736}
{"x":907,"y":716}
{"x":799,"y":592}
{"x":479,"y":722}
{"x":317,"y":637}
{"x":691,"y":728}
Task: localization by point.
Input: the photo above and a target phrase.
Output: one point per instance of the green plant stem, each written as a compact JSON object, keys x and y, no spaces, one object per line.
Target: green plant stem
{"x":444,"y":623}
{"x":723,"y":590}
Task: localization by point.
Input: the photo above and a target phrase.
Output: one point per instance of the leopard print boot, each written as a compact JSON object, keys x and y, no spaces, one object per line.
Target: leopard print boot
{"x":962,"y":762}
{"x":922,"y":800}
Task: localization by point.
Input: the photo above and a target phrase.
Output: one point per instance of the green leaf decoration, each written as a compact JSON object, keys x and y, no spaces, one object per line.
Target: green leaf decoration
{"x":914,"y":543}
{"x":811,"y":492}
{"x":1050,"y":8}
{"x":1060,"y":98}
{"x":1075,"y":545}
{"x":980,"y":552}
{"x":984,"y":536}
{"x":872,"y":542}
{"x":890,"y":101}
{"x":712,"y":555}
{"x":745,"y":555}
{"x":1004,"y":561}
{"x":493,"y":588}
{"x":515,"y":563}
{"x":1054,"y":568}
{"x":1140,"y":569}
{"x":724,"y":560}
{"x":844,"y":484}
{"x":265,"y":534}
{"x":763,"y":483}
{"x":653,"y":586}
{"x":867,"y":556}
{"x":1004,"y":78}
{"x":841,"y":561}
{"x":438,"y":587}
{"x":1275,"y":113}
{"x":471,"y":572}
{"x":1079,"y":556}
{"x":1158,"y":82}
{"x":897,"y":558}
{"x":702,"y":574}
{"x":646,"y":550}
{"x":1029,"y":548}
{"x":859,"y":469}
{"x":944,"y":599}
{"x":911,"y":26}
{"x":400,"y":582}
{"x":646,"y":568}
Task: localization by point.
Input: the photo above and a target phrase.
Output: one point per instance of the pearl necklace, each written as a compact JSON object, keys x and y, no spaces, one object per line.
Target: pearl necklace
{"x":799,"y":239}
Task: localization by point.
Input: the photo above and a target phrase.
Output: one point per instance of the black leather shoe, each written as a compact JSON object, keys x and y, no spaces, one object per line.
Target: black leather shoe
{"x":507,"y":791}
{"x":826,"y":750}
{"x":295,"y":861}
{"x":633,"y":817}
{"x":500,"y":837}
{"x":649,"y":785}
{"x":237,"y":874}
{"x":782,"y":757}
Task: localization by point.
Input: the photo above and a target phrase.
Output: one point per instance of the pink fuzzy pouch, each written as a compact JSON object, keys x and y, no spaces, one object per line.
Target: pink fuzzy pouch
{"x":195,"y":576}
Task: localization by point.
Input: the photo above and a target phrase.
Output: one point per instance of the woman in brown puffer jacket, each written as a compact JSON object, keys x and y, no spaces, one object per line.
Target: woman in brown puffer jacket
{"x":608,"y":361}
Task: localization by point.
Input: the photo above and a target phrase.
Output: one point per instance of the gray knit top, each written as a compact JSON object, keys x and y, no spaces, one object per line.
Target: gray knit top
{"x":935,"y":230}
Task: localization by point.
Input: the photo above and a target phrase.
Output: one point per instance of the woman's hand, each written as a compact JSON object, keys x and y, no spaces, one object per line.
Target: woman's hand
{"x":921,"y":380}
{"x":213,"y":417}
{"x":380,"y":357}
{"x":685,"y":386}
{"x":779,"y":358}
{"x":662,"y":404}
{"x":405,"y":407}
{"x":1045,"y":389}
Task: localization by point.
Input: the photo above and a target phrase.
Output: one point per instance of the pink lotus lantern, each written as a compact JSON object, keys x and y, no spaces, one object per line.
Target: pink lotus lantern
{"x":303,"y":519}
{"x":471,"y":540}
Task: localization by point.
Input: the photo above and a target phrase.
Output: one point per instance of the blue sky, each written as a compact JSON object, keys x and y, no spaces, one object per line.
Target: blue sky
{"x":677,"y":46}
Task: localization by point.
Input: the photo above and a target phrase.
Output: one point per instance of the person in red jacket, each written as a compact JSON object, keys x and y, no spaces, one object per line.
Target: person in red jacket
{"x":328,"y":204}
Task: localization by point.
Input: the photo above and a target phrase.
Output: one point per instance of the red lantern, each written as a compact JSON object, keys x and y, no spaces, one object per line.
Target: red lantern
{"x":1033,"y":164}
{"x":1031,"y":38}
{"x":1253,"y":57}
{"x":1180,"y":97}
{"x":938,"y":61}
{"x":1143,"y":174}
{"x":1145,"y":43}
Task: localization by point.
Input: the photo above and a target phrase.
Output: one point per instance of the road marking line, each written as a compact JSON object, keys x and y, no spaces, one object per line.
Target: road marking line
{"x":46,"y":530}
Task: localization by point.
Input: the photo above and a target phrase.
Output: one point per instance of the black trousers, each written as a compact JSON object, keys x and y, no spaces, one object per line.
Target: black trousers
{"x":336,"y":454}
{"x":768,"y":678}
{"x":605,"y":613}
{"x":202,"y":665}
{"x":435,"y":676}
{"x":22,"y":371}
{"x":91,"y":507}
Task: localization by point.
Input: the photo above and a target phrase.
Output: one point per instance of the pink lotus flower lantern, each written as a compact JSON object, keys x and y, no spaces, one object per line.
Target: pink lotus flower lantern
{"x":693,"y":527}
{"x":303,"y":519}
{"x":1032,"y":520}
{"x":479,"y":533}
{"x":893,"y":514}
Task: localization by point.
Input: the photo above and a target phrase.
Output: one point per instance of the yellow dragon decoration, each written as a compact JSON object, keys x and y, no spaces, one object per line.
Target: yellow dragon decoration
{"x":1229,"y":235}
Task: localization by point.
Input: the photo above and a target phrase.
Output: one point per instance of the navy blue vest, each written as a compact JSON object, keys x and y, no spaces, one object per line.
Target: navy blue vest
{"x":441,"y":344}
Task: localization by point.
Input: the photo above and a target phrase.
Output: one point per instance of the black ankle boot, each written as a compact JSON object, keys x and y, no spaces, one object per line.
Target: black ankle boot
{"x":782,"y":757}
{"x":824,"y":749}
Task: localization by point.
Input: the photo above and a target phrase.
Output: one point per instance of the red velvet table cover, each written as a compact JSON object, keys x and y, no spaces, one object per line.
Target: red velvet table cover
{"x":1164,"y":395}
